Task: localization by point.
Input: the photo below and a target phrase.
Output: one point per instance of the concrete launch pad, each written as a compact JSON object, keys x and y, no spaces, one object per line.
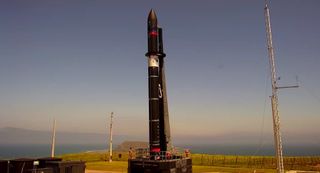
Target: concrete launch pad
{"x":180,"y":165}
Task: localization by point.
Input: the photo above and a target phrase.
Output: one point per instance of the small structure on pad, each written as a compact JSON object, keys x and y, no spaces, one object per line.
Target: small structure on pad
{"x":41,"y":165}
{"x":162,"y":163}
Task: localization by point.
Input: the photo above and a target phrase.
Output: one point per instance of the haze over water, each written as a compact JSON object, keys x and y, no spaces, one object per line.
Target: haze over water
{"x":14,"y":151}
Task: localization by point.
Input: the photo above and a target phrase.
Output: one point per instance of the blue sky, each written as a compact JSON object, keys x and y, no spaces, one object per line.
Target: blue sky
{"x":77,"y":61}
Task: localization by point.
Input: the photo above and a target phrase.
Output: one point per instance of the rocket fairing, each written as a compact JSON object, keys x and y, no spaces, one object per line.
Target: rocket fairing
{"x":159,"y":132}
{"x":152,"y":33}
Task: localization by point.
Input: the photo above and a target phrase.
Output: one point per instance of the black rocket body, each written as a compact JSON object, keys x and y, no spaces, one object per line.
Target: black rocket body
{"x":158,"y":135}
{"x":153,"y":74}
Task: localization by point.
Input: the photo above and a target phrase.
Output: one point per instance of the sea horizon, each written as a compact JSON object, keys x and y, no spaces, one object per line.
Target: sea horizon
{"x":44,"y":150}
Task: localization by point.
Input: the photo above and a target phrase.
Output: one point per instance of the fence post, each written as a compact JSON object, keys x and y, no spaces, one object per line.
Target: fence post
{"x":249,"y":159}
{"x":212,"y":161}
{"x":236,"y":160}
{"x":292,"y":163}
{"x":202,"y":159}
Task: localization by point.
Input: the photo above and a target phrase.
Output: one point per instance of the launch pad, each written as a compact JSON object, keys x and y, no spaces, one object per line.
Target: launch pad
{"x":162,"y":162}
{"x":179,"y":165}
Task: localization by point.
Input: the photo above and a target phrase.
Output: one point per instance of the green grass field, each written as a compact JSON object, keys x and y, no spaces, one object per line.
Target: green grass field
{"x":203,"y":162}
{"x":121,"y":166}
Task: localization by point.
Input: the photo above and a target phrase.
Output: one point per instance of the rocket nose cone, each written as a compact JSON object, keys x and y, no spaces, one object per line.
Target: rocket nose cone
{"x":152,"y":18}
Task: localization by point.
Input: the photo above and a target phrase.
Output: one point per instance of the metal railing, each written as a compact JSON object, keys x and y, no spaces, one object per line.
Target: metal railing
{"x":144,"y":153}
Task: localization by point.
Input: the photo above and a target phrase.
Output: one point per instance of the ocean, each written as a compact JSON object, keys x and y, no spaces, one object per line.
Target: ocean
{"x":19,"y":151}
{"x":266,"y":150}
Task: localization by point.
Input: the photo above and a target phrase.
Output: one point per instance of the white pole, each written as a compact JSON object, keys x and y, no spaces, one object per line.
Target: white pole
{"x":53,"y":140}
{"x":110,"y":142}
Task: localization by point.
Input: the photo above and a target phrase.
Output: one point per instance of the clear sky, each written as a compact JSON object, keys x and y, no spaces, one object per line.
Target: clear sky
{"x":78,"y":60}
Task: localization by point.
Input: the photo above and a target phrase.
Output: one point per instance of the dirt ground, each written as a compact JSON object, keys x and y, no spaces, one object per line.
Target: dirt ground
{"x":95,"y":171}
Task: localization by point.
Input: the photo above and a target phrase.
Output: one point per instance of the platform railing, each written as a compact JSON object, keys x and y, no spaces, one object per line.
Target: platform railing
{"x":144,"y":153}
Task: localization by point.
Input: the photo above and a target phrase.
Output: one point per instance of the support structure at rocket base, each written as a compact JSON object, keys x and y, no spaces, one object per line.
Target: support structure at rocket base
{"x":159,"y":157}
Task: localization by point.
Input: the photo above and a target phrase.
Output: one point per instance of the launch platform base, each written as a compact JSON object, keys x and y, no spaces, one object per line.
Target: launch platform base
{"x":182,"y":165}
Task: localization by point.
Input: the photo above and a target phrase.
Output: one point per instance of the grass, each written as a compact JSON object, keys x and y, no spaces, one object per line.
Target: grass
{"x":200,"y":169}
{"x":116,"y":166}
{"x":202,"y":162}
{"x":121,"y":166}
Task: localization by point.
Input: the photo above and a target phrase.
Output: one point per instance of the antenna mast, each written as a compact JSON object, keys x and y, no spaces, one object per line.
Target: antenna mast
{"x":110,"y":141}
{"x":53,"y":140}
{"x":274,"y":96}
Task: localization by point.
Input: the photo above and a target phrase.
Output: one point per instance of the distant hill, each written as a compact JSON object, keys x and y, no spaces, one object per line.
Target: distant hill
{"x":125,"y":146}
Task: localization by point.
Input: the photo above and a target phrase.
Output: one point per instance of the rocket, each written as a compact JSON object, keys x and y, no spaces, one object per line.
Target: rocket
{"x":159,"y":129}
{"x":159,"y":158}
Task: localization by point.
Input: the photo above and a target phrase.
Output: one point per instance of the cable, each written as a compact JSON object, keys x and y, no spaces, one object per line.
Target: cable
{"x":261,"y":142}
